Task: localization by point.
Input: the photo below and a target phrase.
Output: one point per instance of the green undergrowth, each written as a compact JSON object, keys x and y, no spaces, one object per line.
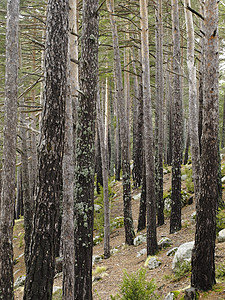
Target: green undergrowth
{"x":182,"y":270}
{"x":220,"y":220}
{"x":136,"y":287}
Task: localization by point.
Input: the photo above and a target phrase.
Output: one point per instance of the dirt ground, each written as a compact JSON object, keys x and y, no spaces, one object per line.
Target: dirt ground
{"x":126,"y":256}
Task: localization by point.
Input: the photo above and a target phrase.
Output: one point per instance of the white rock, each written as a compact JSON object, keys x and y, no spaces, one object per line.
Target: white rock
{"x":165,"y":242}
{"x":184,"y":177}
{"x":140,"y":239}
{"x":96,"y":258}
{"x":172,"y":251}
{"x":141,"y":252}
{"x":137,"y":197}
{"x":152,"y":262}
{"x":170,"y":296}
{"x":56,"y":288}
{"x":183,"y":253}
{"x":223,"y":179}
{"x":97,"y":207}
{"x":19,"y":281}
{"x":113,"y":251}
{"x":221,"y":236}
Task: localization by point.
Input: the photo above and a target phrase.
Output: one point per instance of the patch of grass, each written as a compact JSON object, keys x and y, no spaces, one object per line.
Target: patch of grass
{"x":182,"y":270}
{"x":99,"y":270}
{"x":21,"y":241}
{"x":57,"y":295}
{"x":136,"y":287}
{"x":220,"y":220}
{"x":176,"y":294}
{"x":189,"y":181}
{"x":220,"y":271}
{"x":218,"y":288}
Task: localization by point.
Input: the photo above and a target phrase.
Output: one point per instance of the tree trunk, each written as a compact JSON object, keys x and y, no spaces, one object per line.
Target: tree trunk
{"x":175,"y":218}
{"x":142,"y":207}
{"x":104,"y":157}
{"x":152,"y":245}
{"x":19,"y":194}
{"x":68,"y":160}
{"x":40,"y":273}
{"x":27,"y":201}
{"x":203,"y":257}
{"x":9,"y":152}
{"x":223,"y":127}
{"x":159,"y":114}
{"x":137,"y":130}
{"x":128,"y":220}
{"x":85,"y":152}
{"x":193,"y":105}
{"x":112,"y":135}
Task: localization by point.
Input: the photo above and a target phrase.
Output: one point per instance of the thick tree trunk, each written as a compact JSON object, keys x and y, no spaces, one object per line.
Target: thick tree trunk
{"x":203,"y":257}
{"x":68,"y":159}
{"x":85,"y":152}
{"x":128,"y":220}
{"x":40,"y":273}
{"x":9,"y":152}
{"x":152,"y":245}
{"x":175,"y":218}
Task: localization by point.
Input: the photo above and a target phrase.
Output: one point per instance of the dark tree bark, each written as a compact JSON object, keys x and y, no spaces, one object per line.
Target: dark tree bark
{"x":175,"y":218}
{"x":142,"y":207}
{"x":137,"y":131}
{"x":152,"y":245}
{"x":7,"y":200}
{"x":203,"y":257}
{"x":159,"y":114}
{"x":40,"y":273}
{"x":85,"y":152}
{"x":187,"y":146}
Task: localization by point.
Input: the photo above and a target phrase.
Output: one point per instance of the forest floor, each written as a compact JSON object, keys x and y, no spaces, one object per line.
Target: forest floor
{"x":126,"y":256}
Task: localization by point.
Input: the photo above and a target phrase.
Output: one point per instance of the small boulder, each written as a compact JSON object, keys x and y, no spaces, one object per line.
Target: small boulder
{"x":193,"y":217}
{"x":190,"y":294}
{"x":56,"y":288}
{"x":96,"y":259}
{"x":221,"y":236}
{"x":164,"y":243}
{"x":97,"y":207}
{"x":184,"y":177}
{"x":172,"y":251}
{"x":183,"y":254}
{"x":137,"y":197}
{"x":140,"y":239}
{"x":169,"y":296}
{"x":58,"y":265}
{"x":141,"y":252}
{"x":152,"y":262}
{"x":20,"y":281}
